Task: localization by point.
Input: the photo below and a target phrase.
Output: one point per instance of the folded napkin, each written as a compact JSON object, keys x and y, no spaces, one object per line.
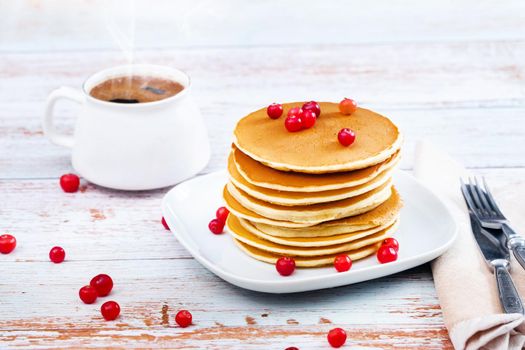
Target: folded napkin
{"x":465,"y":286}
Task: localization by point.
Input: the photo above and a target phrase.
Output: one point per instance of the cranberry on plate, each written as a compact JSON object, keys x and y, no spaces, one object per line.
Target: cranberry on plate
{"x":285,"y":266}
{"x":342,"y":263}
{"x":216,"y":226}
{"x":386,"y":254}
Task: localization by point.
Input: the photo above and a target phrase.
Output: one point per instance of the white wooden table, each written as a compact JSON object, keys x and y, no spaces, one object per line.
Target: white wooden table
{"x":452,"y":74}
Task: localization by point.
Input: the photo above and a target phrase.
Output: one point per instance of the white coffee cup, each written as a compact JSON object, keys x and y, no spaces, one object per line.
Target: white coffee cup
{"x":138,"y":146}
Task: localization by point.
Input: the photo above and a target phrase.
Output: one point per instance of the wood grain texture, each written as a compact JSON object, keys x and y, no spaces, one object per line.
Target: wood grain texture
{"x":79,"y":24}
{"x":454,"y":79}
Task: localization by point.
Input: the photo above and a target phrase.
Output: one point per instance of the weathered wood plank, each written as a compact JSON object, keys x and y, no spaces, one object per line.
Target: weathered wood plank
{"x":84,"y":24}
{"x":151,"y":291}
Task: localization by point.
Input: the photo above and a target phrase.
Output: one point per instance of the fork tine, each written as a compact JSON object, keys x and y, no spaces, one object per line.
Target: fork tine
{"x":475,"y":197}
{"x":491,"y":199}
{"x":482,"y":196}
{"x":468,"y":197}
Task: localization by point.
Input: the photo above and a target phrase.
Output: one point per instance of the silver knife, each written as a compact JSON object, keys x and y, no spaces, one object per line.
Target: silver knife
{"x":491,"y":243}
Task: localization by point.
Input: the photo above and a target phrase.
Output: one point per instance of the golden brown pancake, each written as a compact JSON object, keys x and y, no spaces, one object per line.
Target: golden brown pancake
{"x":261,"y":175}
{"x":316,"y":261}
{"x":289,"y":198}
{"x":241,"y":234}
{"x":320,"y":241}
{"x":385,"y":213}
{"x":317,"y":150}
{"x":315,"y":213}
{"x":358,"y":222}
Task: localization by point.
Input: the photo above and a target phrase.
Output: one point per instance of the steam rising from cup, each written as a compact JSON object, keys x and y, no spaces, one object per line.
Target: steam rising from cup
{"x":123,"y":32}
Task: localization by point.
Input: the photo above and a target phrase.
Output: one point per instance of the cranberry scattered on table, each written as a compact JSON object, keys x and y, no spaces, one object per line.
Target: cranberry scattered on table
{"x":57,"y":255}
{"x":336,"y":337}
{"x":69,"y":183}
{"x":88,"y":294}
{"x":165,"y":224}
{"x":7,"y":243}
{"x":110,"y":310}
{"x":183,"y":318}
{"x":102,"y":283}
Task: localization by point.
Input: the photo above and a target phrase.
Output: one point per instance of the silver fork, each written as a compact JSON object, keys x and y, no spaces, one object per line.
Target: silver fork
{"x":481,"y":202}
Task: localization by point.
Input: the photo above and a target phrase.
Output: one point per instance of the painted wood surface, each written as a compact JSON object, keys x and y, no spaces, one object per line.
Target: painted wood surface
{"x":453,"y":79}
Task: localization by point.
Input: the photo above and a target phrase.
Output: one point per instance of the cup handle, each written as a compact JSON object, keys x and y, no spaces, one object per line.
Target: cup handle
{"x":47,"y":123}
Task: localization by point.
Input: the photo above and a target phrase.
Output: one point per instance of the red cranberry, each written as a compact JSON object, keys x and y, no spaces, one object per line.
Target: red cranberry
{"x":293,"y":123}
{"x":88,"y":294}
{"x":222,"y":214}
{"x":110,"y":310}
{"x":165,"y":224}
{"x":183,"y":318}
{"x":57,"y":255}
{"x":386,"y":254}
{"x":216,"y":226}
{"x":312,"y":106}
{"x":308,"y":118}
{"x":337,"y":337}
{"x":346,"y":137}
{"x":285,"y":266}
{"x":291,"y":348}
{"x":296,"y":111}
{"x":342,"y":263}
{"x":392,"y":242}
{"x":102,"y":283}
{"x":7,"y":243}
{"x":275,"y":110}
{"x":347,"y":106}
{"x":69,"y":183}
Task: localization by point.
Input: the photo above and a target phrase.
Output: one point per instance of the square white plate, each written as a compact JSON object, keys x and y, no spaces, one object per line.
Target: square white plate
{"x":427,"y":229}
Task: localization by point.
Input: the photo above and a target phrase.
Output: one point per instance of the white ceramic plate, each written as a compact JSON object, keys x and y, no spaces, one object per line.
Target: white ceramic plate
{"x":427,"y":229}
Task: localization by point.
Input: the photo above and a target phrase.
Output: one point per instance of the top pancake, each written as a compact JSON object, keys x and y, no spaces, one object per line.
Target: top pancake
{"x":317,"y":150}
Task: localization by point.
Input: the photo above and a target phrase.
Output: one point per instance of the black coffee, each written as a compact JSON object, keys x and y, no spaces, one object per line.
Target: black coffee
{"x":136,"y":89}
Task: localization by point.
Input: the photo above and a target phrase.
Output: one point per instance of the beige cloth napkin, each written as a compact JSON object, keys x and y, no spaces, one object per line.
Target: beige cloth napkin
{"x":465,"y":286}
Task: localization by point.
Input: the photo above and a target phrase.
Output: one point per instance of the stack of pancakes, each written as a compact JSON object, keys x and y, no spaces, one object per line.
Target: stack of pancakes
{"x":304,"y":194}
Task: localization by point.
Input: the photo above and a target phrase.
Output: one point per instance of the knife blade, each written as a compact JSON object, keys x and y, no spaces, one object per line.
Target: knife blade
{"x":491,"y":244}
